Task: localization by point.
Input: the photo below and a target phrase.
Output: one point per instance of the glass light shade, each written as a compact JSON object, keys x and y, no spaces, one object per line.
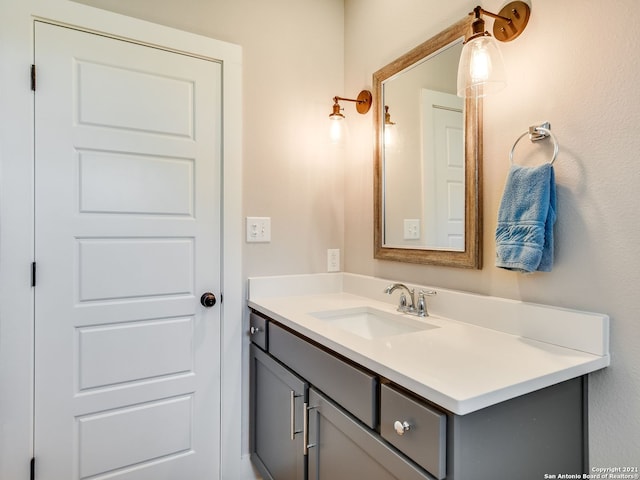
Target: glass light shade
{"x":336,"y":128}
{"x":389,"y":136}
{"x":481,"y":69}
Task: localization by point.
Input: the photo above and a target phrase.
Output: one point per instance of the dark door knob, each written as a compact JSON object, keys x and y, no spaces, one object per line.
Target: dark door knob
{"x":208,"y":299}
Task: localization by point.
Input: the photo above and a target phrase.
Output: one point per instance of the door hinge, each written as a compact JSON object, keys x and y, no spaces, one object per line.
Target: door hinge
{"x":33,"y":274}
{"x":33,"y":469}
{"x":33,"y":78}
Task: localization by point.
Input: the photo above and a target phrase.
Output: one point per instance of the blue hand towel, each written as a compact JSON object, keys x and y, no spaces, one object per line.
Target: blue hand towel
{"x":524,"y":235}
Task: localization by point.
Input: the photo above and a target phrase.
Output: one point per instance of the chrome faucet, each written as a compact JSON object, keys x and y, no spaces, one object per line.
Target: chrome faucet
{"x":402,"y":306}
{"x":420,"y":310}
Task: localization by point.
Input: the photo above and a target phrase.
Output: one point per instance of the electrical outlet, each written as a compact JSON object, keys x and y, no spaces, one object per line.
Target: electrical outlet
{"x":258,"y":229}
{"x":411,"y":229}
{"x":333,"y":260}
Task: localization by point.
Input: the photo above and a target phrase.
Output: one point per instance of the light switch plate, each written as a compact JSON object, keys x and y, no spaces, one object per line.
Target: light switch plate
{"x":258,"y":229}
{"x":411,"y":229}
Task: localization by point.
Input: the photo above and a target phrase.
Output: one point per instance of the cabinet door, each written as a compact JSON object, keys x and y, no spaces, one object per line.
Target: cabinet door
{"x":277,"y":410}
{"x":341,"y":448}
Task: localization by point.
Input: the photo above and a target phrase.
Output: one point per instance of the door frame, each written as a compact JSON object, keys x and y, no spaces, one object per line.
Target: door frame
{"x":17,"y":217}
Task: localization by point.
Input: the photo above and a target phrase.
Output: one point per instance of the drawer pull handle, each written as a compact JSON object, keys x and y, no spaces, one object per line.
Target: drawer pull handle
{"x":305,"y":429}
{"x":401,"y":427}
{"x":254,"y":330}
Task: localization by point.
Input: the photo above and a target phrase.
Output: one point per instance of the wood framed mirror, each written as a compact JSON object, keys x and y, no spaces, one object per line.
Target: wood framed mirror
{"x":428,"y":158}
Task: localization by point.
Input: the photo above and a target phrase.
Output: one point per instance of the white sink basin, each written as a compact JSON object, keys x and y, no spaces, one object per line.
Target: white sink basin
{"x":372,"y":323}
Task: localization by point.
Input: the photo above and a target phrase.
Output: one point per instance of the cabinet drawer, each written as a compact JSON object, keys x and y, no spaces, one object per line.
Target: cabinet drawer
{"x":425,"y":439}
{"x":349,"y":386}
{"x":258,"y":330}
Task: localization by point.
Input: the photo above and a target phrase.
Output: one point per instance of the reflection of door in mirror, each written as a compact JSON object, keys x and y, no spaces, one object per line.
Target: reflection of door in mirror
{"x":443,"y":169}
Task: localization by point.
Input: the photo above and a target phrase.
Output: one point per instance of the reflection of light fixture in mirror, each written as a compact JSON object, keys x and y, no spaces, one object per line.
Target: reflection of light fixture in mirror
{"x":388,"y":126}
{"x":481,"y":68}
{"x":363,"y":104}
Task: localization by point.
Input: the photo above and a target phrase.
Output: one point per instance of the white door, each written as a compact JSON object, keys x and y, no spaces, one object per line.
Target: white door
{"x":443,"y":163}
{"x":127,"y":360}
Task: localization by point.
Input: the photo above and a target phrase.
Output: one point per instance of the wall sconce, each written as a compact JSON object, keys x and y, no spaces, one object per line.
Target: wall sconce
{"x":363,"y":105}
{"x":481,"y":68}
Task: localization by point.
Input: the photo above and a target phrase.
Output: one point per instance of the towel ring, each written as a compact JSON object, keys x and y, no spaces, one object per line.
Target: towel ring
{"x":536,"y":133}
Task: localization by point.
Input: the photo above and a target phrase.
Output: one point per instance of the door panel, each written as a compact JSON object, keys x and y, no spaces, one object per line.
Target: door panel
{"x":167,"y":343}
{"x":127,"y":367}
{"x":127,"y":268}
{"x":128,"y":431}
{"x":110,"y":183}
{"x":170,"y":99}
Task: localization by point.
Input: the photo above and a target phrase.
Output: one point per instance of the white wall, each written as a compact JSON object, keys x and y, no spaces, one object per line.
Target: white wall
{"x":576,"y":65}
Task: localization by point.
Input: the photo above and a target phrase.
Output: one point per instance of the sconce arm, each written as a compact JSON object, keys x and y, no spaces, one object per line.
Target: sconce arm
{"x":337,"y":99}
{"x":479,"y":10}
{"x":363,"y":102}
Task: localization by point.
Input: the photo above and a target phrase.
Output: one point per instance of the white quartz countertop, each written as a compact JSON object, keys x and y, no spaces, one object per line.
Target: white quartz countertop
{"x":460,"y":366}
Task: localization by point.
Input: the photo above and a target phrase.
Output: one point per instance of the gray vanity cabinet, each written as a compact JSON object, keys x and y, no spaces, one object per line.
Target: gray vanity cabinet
{"x":317,"y":415}
{"x":277,"y":408}
{"x":341,"y":448}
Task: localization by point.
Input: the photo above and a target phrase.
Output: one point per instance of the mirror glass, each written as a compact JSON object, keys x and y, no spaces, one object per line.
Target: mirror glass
{"x":427,"y":157}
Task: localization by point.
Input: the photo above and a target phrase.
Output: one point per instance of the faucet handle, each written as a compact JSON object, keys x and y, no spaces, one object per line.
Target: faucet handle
{"x":402,"y":304}
{"x":422,"y":303}
{"x":430,"y":293}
